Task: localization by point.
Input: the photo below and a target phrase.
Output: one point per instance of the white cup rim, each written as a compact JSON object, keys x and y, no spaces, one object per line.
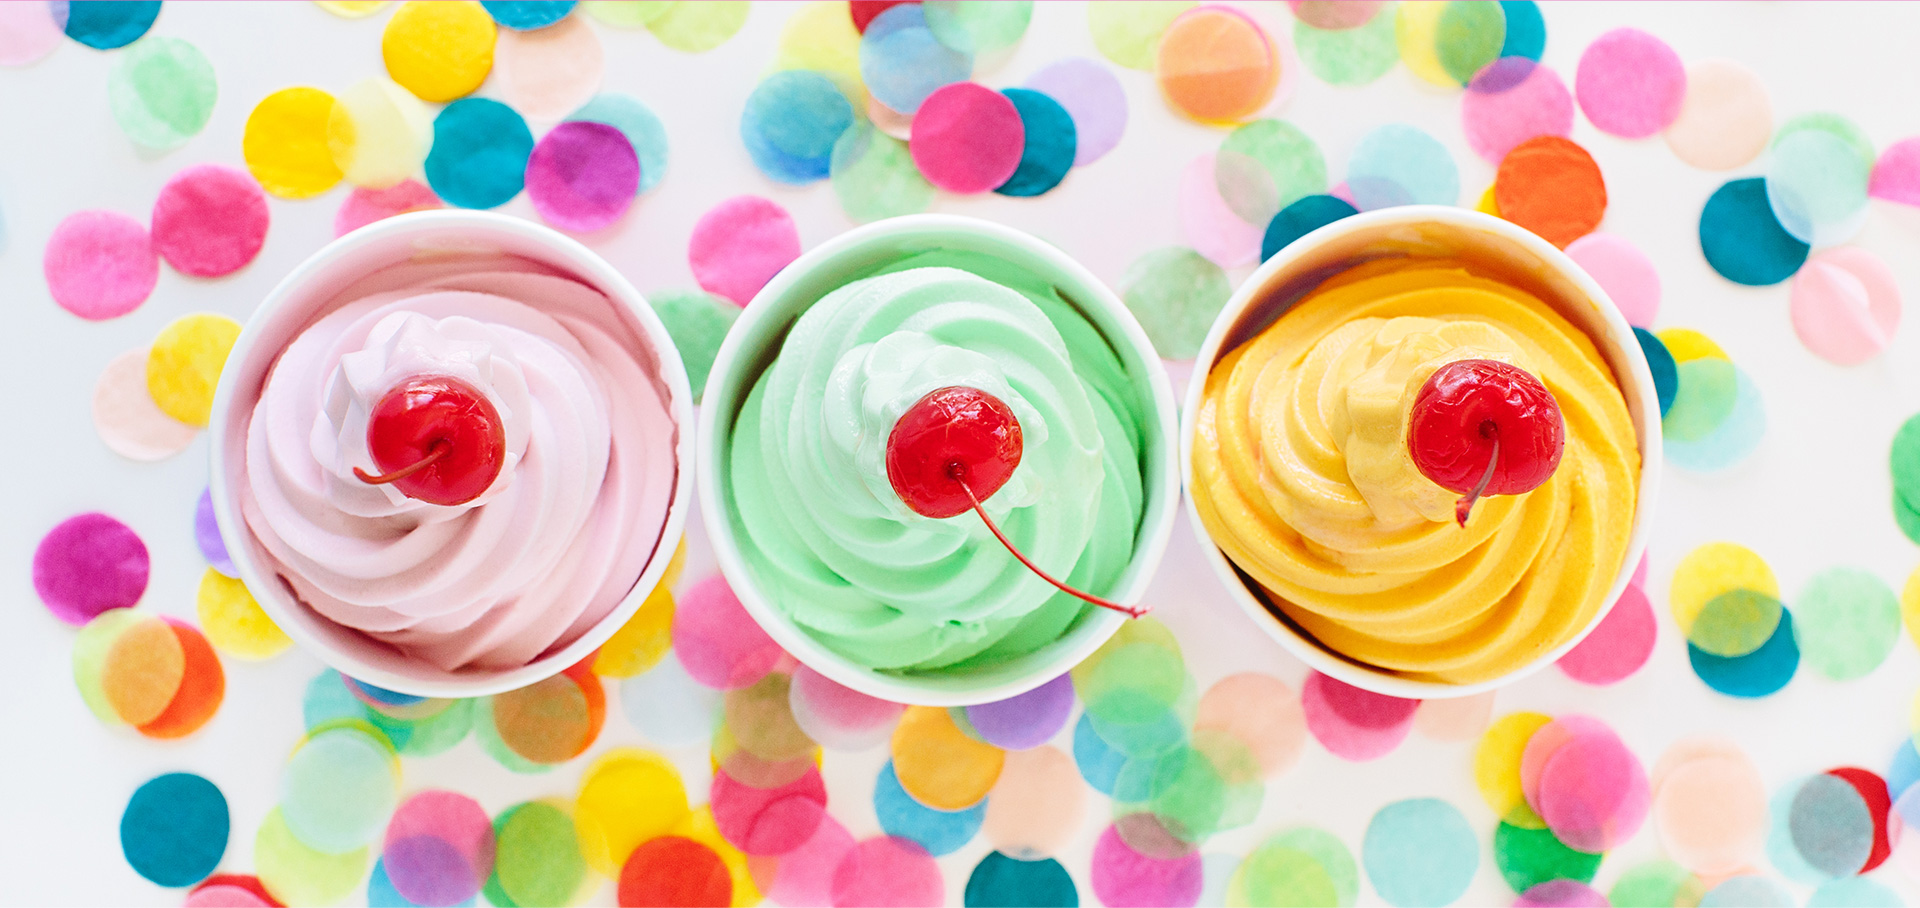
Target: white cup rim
{"x":1635,"y":375}
{"x":229,"y":415}
{"x":1161,"y":480}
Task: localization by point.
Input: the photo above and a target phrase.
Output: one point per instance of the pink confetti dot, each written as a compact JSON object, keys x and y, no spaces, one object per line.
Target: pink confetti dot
{"x":1639,"y":577}
{"x":364,"y":206}
{"x":804,"y":876}
{"x":1592,"y":792}
{"x":87,"y":565}
{"x":1623,"y":271}
{"x":1561,"y":894}
{"x":1355,"y":724}
{"x":583,"y":175}
{"x":739,"y":246}
{"x":1512,"y":100}
{"x":1845,"y":305}
{"x":887,"y":871}
{"x":1896,"y":176}
{"x":1209,"y":224}
{"x":1619,"y":646}
{"x":768,"y":821}
{"x":1630,"y":83}
{"x":717,"y":641}
{"x":210,"y":220}
{"x":967,"y":138}
{"x":838,"y":716}
{"x":220,"y":895}
{"x":455,"y":819}
{"x":1125,"y":878}
{"x":100,"y":264}
{"x":29,"y":31}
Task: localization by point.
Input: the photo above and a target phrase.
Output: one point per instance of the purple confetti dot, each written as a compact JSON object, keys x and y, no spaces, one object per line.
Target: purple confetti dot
{"x":1094,"y":99}
{"x":429,"y":870}
{"x":206,"y":532}
{"x":87,"y":565}
{"x":583,"y":175}
{"x":1028,"y":720}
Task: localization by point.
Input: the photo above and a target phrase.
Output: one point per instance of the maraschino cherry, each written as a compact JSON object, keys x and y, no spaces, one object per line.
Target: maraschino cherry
{"x":437,"y":439}
{"x":952,"y":450}
{"x":1484,"y":427}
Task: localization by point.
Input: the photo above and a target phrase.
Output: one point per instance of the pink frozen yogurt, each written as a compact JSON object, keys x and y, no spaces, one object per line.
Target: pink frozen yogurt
{"x":558,"y":539}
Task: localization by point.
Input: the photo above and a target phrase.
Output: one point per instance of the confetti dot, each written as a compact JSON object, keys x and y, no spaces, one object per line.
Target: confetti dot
{"x":1093,"y":97}
{"x":438,"y":848}
{"x":967,"y":138}
{"x":161,"y":92}
{"x":1552,"y":187}
{"x":339,"y":790}
{"x":1511,"y":101}
{"x":1215,"y":64}
{"x":1336,"y":15}
{"x":978,"y":28}
{"x":209,"y":220}
{"x":1735,"y":623}
{"x":1872,"y":790}
{"x":772,"y":821}
{"x":839,"y":717}
{"x":1854,"y":892}
{"x":938,"y":764}
{"x":1817,"y":187}
{"x":234,"y":623}
{"x":887,"y":871}
{"x":1896,"y":174}
{"x":286,"y":143}
{"x":1397,"y":164}
{"x":790,"y":125}
{"x":1037,"y":804}
{"x":735,"y":248}
{"x":1711,"y":811}
{"x":100,"y":264}
{"x":548,"y":722}
{"x":1623,"y":271}
{"x":184,"y":364}
{"x":1301,"y":866}
{"x":206,"y":534}
{"x":1656,"y":884}
{"x":1666,"y":373}
{"x":1630,"y":83}
{"x":903,"y":63}
{"x":1845,"y":305}
{"x":582,"y":176}
{"x":87,"y":565}
{"x":999,"y":881}
{"x":352,"y":9}
{"x":1027,"y":720}
{"x":1821,"y":829}
{"x":1124,"y":877}
{"x":1099,"y":762}
{"x":110,"y":24}
{"x":668,"y":706}
{"x":197,"y":694}
{"x":1725,"y":118}
{"x":1285,"y":159}
{"x":639,"y":644}
{"x":642,"y":129}
{"x":1747,"y":891}
{"x":821,"y":37}
{"x":1619,"y":646}
{"x":938,"y":831}
{"x":1049,"y":144}
{"x":1420,"y":852}
{"x":1301,"y":218}
{"x":1496,"y":767}
{"x":1261,"y":712}
{"x":1849,"y":621}
{"x":1209,"y":223}
{"x":527,"y":15}
{"x":1467,"y":37}
{"x":804,"y":876}
{"x":672,"y":870}
{"x":1713,"y":570}
{"x":1129,"y":33}
{"x":1350,"y":56}
{"x":1757,"y":674}
{"x":698,"y":322}
{"x":28,"y":31}
{"x":439,"y":51}
{"x":1455,"y":718}
{"x":480,"y":153}
{"x":298,"y":875}
{"x":627,"y":797}
{"x":1529,"y":857}
{"x":174,"y":830}
{"x":1592,"y":791}
{"x":1175,"y":292}
{"x":862,"y":12}
{"x":536,"y":856}
{"x":546,"y":74}
{"x":698,"y":26}
{"x":874,"y":176}
{"x":225,"y":890}
{"x":1526,"y":30}
{"x":1905,"y":462}
{"x":1717,"y":418}
{"x":1352,"y":723}
{"x":1561,"y":894}
{"x":365,"y":206}
{"x":1743,"y":240}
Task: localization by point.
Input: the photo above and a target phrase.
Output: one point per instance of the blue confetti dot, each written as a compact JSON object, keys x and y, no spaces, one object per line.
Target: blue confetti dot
{"x":1398,"y":164}
{"x":791,"y":122}
{"x":107,"y":24}
{"x":1854,"y":892}
{"x":1747,"y":891}
{"x":328,"y":700}
{"x":1420,"y":851}
{"x":1821,"y":829}
{"x":174,"y":831}
{"x":1051,"y":143}
{"x":643,"y":130}
{"x":380,"y":694}
{"x":1526,"y":31}
{"x":1099,"y":763}
{"x":1905,"y":769}
{"x":479,"y":155}
{"x":527,"y":15}
{"x":1666,"y":375}
{"x":1743,"y":240}
{"x":1003,"y":882}
{"x":938,"y":831}
{"x":1304,"y":216}
{"x":1755,"y":674}
{"x":902,"y":62}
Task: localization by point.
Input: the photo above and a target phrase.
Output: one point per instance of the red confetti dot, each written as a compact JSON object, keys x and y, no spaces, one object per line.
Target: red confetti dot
{"x":100,"y":264}
{"x":226,"y":883}
{"x":203,"y":685}
{"x":1552,"y":187}
{"x":1873,"y":790}
{"x":675,"y":871}
{"x":864,"y":11}
{"x":967,"y":138}
{"x":210,"y":220}
{"x":1355,"y":724}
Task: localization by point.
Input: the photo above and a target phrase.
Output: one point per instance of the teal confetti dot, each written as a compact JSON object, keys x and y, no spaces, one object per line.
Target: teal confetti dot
{"x":1301,"y":218}
{"x":107,"y":24}
{"x":174,"y":830}
{"x":1666,"y":374}
{"x":1003,"y":882}
{"x":1050,"y":143}
{"x":328,"y":700}
{"x":1420,"y":852}
{"x":1743,"y":240}
{"x":1175,"y":292}
{"x":527,"y":15}
{"x":1398,"y":164}
{"x":1747,"y":892}
{"x":1756,"y":674}
{"x":643,"y":130}
{"x":1099,"y":762}
{"x":1854,"y":892}
{"x":1821,"y":829}
{"x":938,"y":831}
{"x":790,"y":125}
{"x":1526,"y":31}
{"x":479,"y":154}
{"x":1849,"y":622}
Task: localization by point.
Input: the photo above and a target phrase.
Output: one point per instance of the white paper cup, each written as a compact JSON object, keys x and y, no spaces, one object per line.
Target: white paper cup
{"x":756,"y":338}
{"x":301,"y":298}
{"x":1518,"y":257}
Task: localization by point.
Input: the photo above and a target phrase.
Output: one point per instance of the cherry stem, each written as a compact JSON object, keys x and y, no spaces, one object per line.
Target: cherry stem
{"x":956,"y":471}
{"x":440,"y":448}
{"x":1464,"y":506}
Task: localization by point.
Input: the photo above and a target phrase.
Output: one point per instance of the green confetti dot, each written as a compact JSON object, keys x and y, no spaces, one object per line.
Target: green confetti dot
{"x":1708,"y":388}
{"x":161,"y":91}
{"x":428,"y":735}
{"x":1528,"y":857}
{"x":874,"y":176}
{"x":1285,"y":155}
{"x":698,"y":26}
{"x":339,"y":789}
{"x":1128,"y":31}
{"x":1300,"y":866}
{"x":537,"y":855}
{"x":627,"y":13}
{"x":1134,"y":683}
{"x":1175,"y":292}
{"x":1469,"y":36}
{"x":1834,"y":124}
{"x":298,"y":875}
{"x":1353,"y":56}
{"x":1905,"y":463}
{"x":1656,"y":884}
{"x":697,"y":321}
{"x":978,"y":26}
{"x":1848,"y":620}
{"x":1735,"y":623}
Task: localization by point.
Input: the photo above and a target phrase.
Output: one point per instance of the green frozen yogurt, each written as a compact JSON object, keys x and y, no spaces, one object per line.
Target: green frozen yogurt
{"x":834,"y":548}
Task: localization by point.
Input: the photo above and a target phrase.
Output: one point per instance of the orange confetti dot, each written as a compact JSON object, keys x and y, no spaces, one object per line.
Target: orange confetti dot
{"x":938,"y":764}
{"x":1216,"y":64}
{"x":1552,"y":187}
{"x":554,"y":720}
{"x":203,"y":685}
{"x":143,"y":671}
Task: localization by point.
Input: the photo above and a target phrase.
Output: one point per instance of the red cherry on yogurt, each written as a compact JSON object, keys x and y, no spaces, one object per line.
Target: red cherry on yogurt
{"x":1484,"y":427}
{"x":436,"y":439}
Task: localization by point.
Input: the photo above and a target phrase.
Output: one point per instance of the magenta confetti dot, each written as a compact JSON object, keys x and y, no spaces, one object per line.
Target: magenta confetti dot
{"x":967,"y":138}
{"x":1028,"y":720}
{"x":1095,"y":100}
{"x":100,"y":264}
{"x":364,"y":206}
{"x":1511,"y":101}
{"x":1623,"y":271}
{"x":1545,"y":742}
{"x":87,"y":565}
{"x":1561,"y":894}
{"x":583,"y":175}
{"x":428,"y":870}
{"x":717,"y":641}
{"x":1352,"y":723}
{"x":837,"y":716}
{"x":210,"y":220}
{"x":739,"y":246}
{"x":453,"y":818}
{"x":887,"y":871}
{"x":1630,"y":83}
{"x":206,"y":534}
{"x":1896,"y":175}
{"x":804,"y":875}
{"x":1125,"y":878}
{"x":1619,"y":646}
{"x":1639,"y":577}
{"x":768,"y":821}
{"x":1593,"y":792}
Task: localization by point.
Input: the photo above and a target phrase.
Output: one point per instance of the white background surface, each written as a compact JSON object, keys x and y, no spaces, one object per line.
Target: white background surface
{"x":1814,"y":495}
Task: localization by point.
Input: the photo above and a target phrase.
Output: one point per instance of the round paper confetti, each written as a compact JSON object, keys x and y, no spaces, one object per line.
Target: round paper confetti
{"x":673,"y":870}
{"x":105,"y":26}
{"x":1592,"y":791}
{"x":1817,"y":186}
{"x":1849,"y":621}
{"x":735,"y":248}
{"x":626,"y":797}
{"x":209,"y":220}
{"x":1552,"y":187}
{"x":1129,"y":33}
{"x":1845,"y":305}
{"x":1049,"y":148}
{"x":938,"y":831}
{"x":1657,"y":884}
{"x":1747,"y":891}
{"x":1215,"y":64}
{"x":225,"y":890}
{"x":1455,"y":718}
{"x":1301,"y":218}
{"x":184,"y":364}
{"x":1511,"y":101}
{"x":903,"y":63}
{"x":28,"y":31}
{"x":298,"y":875}
{"x":1466,"y":39}
{"x":286,"y":143}
{"x":193,"y":699}
{"x":821,"y":36}
{"x":698,"y":26}
{"x":1743,"y":240}
{"x":378,"y":133}
{"x":1529,"y":857}
{"x":480,"y":153}
{"x":839,"y":717}
{"x":234,"y":623}
{"x":771,"y":821}
{"x":1711,"y":811}
{"x":1666,"y":373}
{"x":698,"y":322}
{"x":1420,"y":852}
{"x":642,"y":129}
{"x":1352,"y":723}
{"x":1735,"y":623}
{"x":1209,"y":223}
{"x":1896,"y":174}
{"x":582,"y":176}
{"x":1619,"y":646}
{"x":1036,"y":805}
{"x":100,"y":264}
{"x":1286,"y":166}
{"x":999,"y":880}
{"x":887,"y":871}
{"x":1526,"y":30}
{"x":804,"y":876}
{"x":174,"y":830}
{"x":1561,"y":894}
{"x":668,"y":706}
{"x":1717,"y":417}
{"x":1093,"y":97}
{"x":1301,"y":866}
{"x":1354,"y":56}
{"x":439,"y":51}
{"x":938,"y":764}
{"x":1756,"y":674}
{"x":352,"y":9}
{"x":365,"y":206}
{"x":1630,"y":83}
{"x":1125,"y":877}
{"x":546,"y":74}
{"x":1905,"y":462}
{"x":1025,"y":721}
{"x":1822,"y":829}
{"x":1623,"y":271}
{"x":1397,"y":164}
{"x":438,"y":848}
{"x":1854,"y":892}
{"x":874,"y":176}
{"x":339,"y":789}
{"x":161,"y":92}
{"x":978,"y":28}
{"x":863,"y":12}
{"x":967,"y":138}
{"x":1259,"y":711}
{"x":545,"y":723}
{"x":790,"y":124}
{"x":527,"y":15}
{"x":640,"y":643}
{"x":126,"y":417}
{"x":1725,"y":118}
{"x":87,"y":565}
{"x":536,"y":856}
{"x":1175,"y":293}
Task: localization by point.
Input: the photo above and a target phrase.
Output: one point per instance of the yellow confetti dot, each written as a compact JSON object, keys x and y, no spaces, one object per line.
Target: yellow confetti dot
{"x":627,"y":13}
{"x":821,"y":37}
{"x":938,"y":764}
{"x":1909,"y":606}
{"x":697,"y":26}
{"x":638,"y":645}
{"x":183,"y":366}
{"x":233,"y":622}
{"x":439,"y":50}
{"x":285,"y":143}
{"x":1128,"y":33}
{"x":627,"y":797}
{"x":1416,"y":29}
{"x":1496,"y":767}
{"x":378,"y":133}
{"x":1687,"y":344}
{"x":1713,"y":569}
{"x":90,"y":650}
{"x":700,"y":827}
{"x":352,"y":9}
{"x":1487,"y":203}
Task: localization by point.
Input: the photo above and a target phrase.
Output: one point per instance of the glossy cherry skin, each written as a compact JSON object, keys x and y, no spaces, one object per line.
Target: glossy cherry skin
{"x":1460,"y":411}
{"x":953,"y":433}
{"x":416,"y":416}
